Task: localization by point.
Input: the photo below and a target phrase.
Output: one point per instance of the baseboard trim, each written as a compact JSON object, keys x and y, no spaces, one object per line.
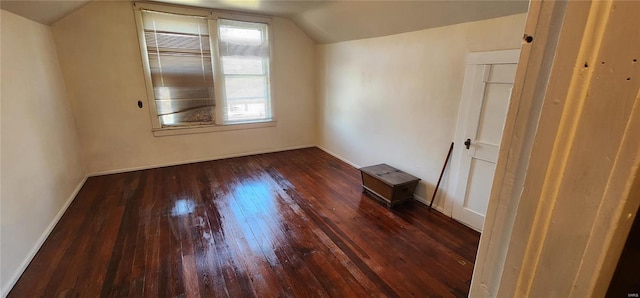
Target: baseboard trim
{"x":338,"y":157}
{"x":34,"y":250}
{"x":426,"y":202}
{"x":441,"y":210}
{"x":177,"y":163}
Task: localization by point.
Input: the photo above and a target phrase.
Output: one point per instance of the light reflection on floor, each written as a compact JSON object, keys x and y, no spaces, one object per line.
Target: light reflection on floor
{"x":254,"y":207}
{"x":249,"y":214}
{"x":183,"y":206}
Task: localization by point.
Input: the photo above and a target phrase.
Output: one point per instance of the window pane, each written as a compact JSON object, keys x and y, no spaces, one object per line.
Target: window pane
{"x":172,"y":41}
{"x":169,"y":22}
{"x":245,"y":33}
{"x":246,"y":109}
{"x":244,"y":51}
{"x":180,"y":67}
{"x":245,"y":87}
{"x":176,"y":105}
{"x":243,"y":65}
{"x":178,"y":70}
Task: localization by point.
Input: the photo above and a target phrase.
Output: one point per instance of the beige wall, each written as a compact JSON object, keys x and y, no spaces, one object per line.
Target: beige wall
{"x":394,"y":99}
{"x":100,"y":57}
{"x":41,"y":169}
{"x":391,"y":99}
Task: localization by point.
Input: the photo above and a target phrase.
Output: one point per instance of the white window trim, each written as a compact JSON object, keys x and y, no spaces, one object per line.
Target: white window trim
{"x":181,"y":130}
{"x":212,"y":16}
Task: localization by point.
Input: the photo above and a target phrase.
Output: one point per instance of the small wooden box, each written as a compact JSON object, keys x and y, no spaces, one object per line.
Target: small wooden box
{"x":388,"y":184}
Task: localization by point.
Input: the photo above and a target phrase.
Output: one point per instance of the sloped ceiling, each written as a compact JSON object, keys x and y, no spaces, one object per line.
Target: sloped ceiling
{"x":325,"y":21}
{"x":348,"y":20}
{"x":42,"y":11}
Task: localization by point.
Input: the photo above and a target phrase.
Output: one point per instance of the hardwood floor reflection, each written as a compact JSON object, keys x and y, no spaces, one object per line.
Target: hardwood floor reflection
{"x":290,"y":224}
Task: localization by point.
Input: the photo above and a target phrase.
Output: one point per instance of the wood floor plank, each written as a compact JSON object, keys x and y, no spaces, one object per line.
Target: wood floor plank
{"x":286,"y":224}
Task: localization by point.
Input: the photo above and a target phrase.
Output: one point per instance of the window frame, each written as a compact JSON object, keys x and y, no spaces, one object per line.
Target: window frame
{"x":212,"y":17}
{"x":218,"y":67}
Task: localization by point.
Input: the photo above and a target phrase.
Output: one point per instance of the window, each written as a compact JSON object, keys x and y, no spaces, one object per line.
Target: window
{"x":244,"y":52}
{"x":180,"y":67}
{"x":204,"y":69}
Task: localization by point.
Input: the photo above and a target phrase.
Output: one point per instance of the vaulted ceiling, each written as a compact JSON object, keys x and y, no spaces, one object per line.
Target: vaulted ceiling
{"x":325,"y":21}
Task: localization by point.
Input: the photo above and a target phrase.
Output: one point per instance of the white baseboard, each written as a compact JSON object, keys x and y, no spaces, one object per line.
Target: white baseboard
{"x":32,"y":253}
{"x":131,"y":169}
{"x":426,"y":202}
{"x":441,"y":210}
{"x":338,"y":157}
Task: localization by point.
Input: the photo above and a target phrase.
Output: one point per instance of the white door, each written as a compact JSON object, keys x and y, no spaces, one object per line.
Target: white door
{"x":483,"y":110}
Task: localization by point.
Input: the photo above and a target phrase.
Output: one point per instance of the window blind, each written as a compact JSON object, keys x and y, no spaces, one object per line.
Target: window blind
{"x":244,"y":56}
{"x":181,"y":69}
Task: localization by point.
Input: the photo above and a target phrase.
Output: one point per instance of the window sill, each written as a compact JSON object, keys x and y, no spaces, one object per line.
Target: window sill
{"x":172,"y":131}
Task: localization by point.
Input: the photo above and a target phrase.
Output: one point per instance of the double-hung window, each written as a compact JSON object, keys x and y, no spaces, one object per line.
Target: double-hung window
{"x":204,"y":70}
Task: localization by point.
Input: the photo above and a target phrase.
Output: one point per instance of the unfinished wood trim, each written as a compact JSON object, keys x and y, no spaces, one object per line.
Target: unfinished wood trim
{"x":548,"y":161}
{"x":572,"y":216}
{"x":618,"y":58}
{"x":544,"y":21}
{"x":615,"y":216}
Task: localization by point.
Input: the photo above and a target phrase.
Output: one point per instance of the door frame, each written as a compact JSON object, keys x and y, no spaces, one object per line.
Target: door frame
{"x":473,"y":69}
{"x":563,"y":41}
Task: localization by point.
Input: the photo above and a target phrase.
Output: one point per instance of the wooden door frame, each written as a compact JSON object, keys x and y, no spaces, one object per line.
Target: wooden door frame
{"x":474,"y":63}
{"x":561,"y":52}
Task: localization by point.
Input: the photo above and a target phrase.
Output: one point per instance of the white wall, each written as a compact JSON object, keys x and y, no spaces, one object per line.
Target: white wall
{"x":394,"y":99}
{"x":41,"y":169}
{"x":100,"y":57}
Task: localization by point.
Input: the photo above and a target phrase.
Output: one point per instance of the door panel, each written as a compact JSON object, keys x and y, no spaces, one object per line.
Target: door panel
{"x":494,"y":111}
{"x":478,"y":186}
{"x":487,"y":104}
{"x":503,"y":73}
{"x":483,"y":151}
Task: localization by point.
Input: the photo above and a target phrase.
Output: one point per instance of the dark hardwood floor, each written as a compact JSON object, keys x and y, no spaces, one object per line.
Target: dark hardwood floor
{"x":289,"y":224}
